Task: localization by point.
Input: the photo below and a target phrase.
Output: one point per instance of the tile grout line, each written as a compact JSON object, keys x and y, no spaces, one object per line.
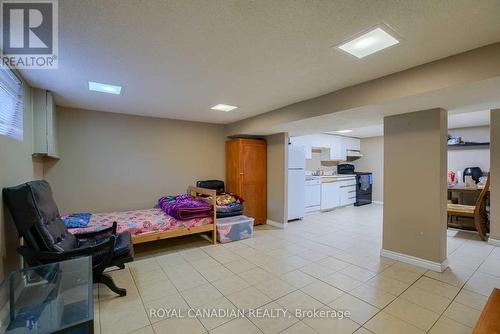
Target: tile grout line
{"x":460,"y":290}
{"x":351,"y":261}
{"x":319,"y":279}
{"x":452,"y":300}
{"x":273,"y":300}
{"x":179,"y":291}
{"x":223,"y":295}
{"x":382,"y":309}
{"x":142,"y":300}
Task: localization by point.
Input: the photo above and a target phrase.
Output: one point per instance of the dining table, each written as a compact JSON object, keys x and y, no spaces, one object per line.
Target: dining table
{"x":463,"y":188}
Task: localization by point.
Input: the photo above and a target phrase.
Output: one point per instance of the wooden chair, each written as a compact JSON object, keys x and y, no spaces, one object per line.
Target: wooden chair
{"x":477,"y":211}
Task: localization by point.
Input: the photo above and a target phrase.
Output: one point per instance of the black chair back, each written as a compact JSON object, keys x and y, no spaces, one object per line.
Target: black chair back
{"x":37,"y":218}
{"x":216,"y":185}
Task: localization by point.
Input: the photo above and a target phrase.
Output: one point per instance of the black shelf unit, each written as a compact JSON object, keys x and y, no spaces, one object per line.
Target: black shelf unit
{"x":468,"y":145}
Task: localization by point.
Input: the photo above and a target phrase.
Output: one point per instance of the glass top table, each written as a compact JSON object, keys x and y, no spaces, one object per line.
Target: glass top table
{"x":52,"y":298}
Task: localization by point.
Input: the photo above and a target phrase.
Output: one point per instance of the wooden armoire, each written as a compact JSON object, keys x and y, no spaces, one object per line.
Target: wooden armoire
{"x":246,"y":175}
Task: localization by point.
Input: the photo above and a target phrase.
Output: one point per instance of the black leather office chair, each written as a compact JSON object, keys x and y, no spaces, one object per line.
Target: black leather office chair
{"x":47,"y":239}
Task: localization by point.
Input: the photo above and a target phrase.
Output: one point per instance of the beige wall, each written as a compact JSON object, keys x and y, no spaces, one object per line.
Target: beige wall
{"x":471,"y":66}
{"x":16,"y":166}
{"x":373,"y":161}
{"x":277,"y":171}
{"x":459,"y":159}
{"x":118,"y":162}
{"x":415,"y":186}
{"x":315,"y":163}
{"x":373,"y":152}
{"x":495,"y":174}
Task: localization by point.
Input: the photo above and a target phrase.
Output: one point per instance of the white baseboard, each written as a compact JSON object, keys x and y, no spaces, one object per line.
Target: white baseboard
{"x":378,"y":202}
{"x":462,"y":230}
{"x":494,"y":242}
{"x":308,"y":213}
{"x":416,"y":261}
{"x":276,"y":224}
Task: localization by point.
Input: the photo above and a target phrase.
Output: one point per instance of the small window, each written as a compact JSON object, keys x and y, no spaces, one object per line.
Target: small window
{"x":11,"y":104}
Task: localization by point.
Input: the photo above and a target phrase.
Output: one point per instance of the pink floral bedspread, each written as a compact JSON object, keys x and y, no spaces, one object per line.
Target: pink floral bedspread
{"x":140,"y":222}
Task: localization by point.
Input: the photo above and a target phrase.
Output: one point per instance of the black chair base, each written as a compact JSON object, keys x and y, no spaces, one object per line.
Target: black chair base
{"x":108,"y":281}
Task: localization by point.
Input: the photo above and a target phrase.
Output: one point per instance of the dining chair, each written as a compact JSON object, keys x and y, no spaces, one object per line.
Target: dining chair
{"x":476,"y":212}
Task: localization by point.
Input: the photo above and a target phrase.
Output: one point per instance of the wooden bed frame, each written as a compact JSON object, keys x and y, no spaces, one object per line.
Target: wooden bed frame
{"x":194,"y":191}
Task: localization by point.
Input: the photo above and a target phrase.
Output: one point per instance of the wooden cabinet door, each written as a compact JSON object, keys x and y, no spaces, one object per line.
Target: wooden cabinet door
{"x":254,"y":179}
{"x":233,"y":167}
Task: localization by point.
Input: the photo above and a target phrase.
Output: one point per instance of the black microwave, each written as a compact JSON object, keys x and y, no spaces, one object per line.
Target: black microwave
{"x":345,"y":169}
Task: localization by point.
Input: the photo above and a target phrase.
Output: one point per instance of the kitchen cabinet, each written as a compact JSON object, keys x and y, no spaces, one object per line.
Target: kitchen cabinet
{"x":308,"y":142}
{"x":347,"y":190}
{"x":353,"y":144}
{"x":330,"y":195}
{"x":336,"y":151}
{"x":332,"y":147}
{"x":246,"y":175}
{"x":337,"y":191}
{"x":337,"y":148}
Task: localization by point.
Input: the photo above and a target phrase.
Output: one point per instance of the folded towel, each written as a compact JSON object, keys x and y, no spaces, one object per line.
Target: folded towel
{"x":185,"y":207}
{"x":77,"y":220}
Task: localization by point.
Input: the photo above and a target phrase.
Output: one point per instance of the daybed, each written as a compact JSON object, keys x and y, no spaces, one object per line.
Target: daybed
{"x":154,"y":224}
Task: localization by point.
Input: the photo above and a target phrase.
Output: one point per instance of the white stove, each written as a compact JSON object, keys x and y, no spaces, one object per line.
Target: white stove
{"x":312,"y":179}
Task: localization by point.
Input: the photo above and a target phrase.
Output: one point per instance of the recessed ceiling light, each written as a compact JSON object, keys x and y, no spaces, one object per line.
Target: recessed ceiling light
{"x":223,"y":107}
{"x":344,"y":131}
{"x":373,"y":41}
{"x":104,"y":88}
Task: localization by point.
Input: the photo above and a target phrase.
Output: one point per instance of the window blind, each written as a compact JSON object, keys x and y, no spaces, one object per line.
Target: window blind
{"x":11,"y":104}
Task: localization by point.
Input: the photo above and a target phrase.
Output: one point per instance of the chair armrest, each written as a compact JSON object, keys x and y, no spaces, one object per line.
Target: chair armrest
{"x":37,"y":257}
{"x":94,"y":234}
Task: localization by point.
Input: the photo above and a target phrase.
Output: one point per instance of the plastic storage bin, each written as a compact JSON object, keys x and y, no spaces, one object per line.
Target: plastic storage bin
{"x":234,"y":228}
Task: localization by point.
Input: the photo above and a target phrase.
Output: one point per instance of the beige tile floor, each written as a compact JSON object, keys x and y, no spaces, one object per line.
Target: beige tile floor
{"x":327,"y":261}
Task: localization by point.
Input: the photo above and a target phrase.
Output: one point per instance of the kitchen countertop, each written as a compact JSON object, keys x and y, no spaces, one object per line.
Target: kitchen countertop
{"x":341,"y":176}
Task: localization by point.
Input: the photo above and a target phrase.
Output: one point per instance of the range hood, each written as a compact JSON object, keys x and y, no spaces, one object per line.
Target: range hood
{"x":354,"y":154}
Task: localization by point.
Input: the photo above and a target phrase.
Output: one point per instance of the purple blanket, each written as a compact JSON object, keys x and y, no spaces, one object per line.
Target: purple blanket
{"x":184,"y":207}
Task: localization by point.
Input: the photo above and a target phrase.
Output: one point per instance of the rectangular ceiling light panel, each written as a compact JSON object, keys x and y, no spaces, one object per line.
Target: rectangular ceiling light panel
{"x":104,"y":88}
{"x":223,"y":107}
{"x":373,"y":41}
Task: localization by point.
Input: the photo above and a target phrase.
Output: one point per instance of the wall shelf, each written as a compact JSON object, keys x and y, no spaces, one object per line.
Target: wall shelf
{"x":465,"y":146}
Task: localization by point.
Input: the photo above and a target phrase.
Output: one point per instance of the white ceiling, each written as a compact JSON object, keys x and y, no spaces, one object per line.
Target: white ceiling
{"x":363,"y":132}
{"x":470,"y":119}
{"x":178,"y":58}
{"x":455,"y":121}
{"x":468,"y":105}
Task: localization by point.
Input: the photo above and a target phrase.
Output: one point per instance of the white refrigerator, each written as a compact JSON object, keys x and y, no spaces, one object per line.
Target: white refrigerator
{"x":296,"y":182}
